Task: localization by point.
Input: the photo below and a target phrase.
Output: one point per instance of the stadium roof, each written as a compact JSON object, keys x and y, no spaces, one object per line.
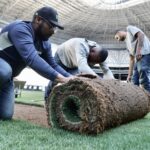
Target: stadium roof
{"x":93,"y":19}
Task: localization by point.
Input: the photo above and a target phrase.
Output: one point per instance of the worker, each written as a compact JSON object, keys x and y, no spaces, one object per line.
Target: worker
{"x":77,"y":55}
{"x":25,"y":44}
{"x":138,"y":45}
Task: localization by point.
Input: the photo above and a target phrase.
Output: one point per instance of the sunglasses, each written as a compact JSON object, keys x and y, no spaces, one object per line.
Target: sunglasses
{"x":51,"y":26}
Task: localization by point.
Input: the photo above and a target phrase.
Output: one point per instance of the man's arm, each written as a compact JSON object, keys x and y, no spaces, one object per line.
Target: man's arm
{"x":106,"y":71}
{"x":131,"y":65}
{"x":140,"y":39}
{"x":23,"y":41}
{"x":138,"y":34}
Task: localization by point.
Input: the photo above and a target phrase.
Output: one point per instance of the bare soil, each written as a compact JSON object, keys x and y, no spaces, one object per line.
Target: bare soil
{"x":33,"y":114}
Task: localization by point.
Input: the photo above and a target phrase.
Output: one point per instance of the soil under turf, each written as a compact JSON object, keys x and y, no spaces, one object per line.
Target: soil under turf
{"x":33,"y":114}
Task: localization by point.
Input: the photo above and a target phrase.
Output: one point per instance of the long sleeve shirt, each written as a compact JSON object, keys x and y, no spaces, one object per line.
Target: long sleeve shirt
{"x":19,"y":47}
{"x":74,"y":54}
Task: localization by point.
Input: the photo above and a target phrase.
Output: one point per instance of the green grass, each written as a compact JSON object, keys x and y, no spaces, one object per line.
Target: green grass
{"x":19,"y":135}
{"x":31,"y":97}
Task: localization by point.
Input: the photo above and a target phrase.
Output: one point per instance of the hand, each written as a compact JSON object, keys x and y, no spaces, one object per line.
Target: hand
{"x":138,"y":57}
{"x":63,"y":79}
{"x":70,"y":78}
{"x":129,"y":78}
{"x":58,"y":84}
{"x":138,"y":54}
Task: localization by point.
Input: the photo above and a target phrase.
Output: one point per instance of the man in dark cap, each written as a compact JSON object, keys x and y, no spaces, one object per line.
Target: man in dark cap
{"x":26,"y":44}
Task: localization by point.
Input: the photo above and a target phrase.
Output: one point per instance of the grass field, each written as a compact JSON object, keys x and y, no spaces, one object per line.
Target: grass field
{"x":20,"y":135}
{"x":31,"y":97}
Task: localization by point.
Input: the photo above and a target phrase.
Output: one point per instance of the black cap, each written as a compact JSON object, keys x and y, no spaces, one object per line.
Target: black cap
{"x":49,"y":14}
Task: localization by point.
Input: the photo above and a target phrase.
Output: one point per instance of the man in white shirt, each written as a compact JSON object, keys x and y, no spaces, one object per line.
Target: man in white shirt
{"x":78,"y":54}
{"x":138,"y":46}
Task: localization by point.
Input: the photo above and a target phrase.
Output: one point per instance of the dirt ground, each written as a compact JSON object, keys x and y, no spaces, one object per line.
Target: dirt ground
{"x":36,"y":115}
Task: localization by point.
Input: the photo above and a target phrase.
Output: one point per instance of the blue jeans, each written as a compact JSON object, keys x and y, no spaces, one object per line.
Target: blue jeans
{"x":6,"y":91}
{"x":141,"y":72}
{"x":72,"y":71}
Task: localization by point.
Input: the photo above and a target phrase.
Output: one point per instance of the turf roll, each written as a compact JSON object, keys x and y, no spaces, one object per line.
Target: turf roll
{"x":92,"y":105}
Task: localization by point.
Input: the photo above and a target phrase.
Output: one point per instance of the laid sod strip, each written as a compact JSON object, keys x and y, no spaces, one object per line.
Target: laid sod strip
{"x":32,"y":98}
{"x":30,"y":104}
{"x":92,"y":105}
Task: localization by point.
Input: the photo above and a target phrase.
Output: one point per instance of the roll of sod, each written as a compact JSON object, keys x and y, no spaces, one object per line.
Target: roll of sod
{"x":92,"y":105}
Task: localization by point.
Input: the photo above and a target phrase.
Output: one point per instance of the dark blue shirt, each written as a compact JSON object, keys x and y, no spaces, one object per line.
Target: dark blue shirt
{"x":20,"y":48}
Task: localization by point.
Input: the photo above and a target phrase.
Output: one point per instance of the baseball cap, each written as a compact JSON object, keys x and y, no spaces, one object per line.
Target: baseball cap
{"x":50,"y":15}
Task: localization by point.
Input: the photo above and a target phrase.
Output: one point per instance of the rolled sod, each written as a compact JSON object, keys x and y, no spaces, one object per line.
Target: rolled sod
{"x":92,"y":105}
